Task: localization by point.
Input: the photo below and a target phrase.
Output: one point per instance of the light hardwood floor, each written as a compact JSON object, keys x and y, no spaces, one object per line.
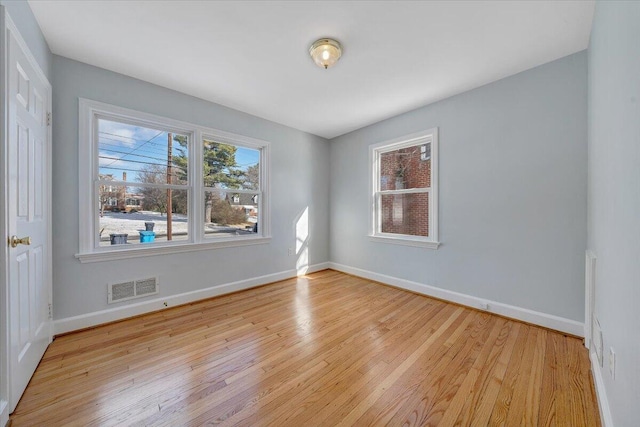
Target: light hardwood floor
{"x":327,"y":349}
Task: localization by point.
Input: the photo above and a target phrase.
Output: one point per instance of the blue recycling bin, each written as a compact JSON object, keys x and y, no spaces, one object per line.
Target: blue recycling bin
{"x":147,"y":236}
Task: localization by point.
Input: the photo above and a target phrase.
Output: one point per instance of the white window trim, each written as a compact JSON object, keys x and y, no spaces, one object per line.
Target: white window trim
{"x":431,"y":242}
{"x":89,"y":251}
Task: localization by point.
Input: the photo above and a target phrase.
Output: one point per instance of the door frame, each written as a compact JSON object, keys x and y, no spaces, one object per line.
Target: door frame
{"x":7,"y":25}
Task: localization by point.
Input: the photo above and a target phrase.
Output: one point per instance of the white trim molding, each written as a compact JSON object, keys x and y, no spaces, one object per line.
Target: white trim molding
{"x":545,"y":320}
{"x":70,"y":324}
{"x":138,"y":252}
{"x":601,"y":393}
{"x":418,"y":243}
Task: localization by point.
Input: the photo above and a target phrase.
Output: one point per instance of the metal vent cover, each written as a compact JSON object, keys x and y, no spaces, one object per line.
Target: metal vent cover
{"x":124,"y":291}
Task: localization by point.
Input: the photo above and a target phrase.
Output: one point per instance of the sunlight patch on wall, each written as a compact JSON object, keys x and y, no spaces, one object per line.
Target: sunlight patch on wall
{"x":302,"y":248}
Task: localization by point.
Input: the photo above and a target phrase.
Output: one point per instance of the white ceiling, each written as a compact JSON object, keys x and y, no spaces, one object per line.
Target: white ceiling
{"x":252,"y":56}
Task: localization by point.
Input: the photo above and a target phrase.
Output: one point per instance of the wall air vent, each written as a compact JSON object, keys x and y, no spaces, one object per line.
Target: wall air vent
{"x":132,"y":289}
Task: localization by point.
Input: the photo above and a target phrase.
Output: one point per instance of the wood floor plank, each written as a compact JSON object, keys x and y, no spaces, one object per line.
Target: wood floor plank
{"x":520,"y":411}
{"x":276,"y":371}
{"x":340,"y":366}
{"x":550,"y":395}
{"x":488,"y":385}
{"x":505,"y":395}
{"x":460,"y":399}
{"x":370,"y":400}
{"x":326,"y":349}
{"x":395,"y":354}
{"x":430,"y":372}
{"x":455,"y":403}
{"x":581,"y":386}
{"x":337,"y":398}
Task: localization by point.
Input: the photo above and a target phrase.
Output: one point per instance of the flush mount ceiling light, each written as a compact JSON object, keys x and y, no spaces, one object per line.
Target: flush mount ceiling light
{"x":325,"y":52}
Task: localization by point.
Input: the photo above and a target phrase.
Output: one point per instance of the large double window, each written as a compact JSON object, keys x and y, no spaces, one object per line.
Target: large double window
{"x":404,"y":188}
{"x":150,"y":185}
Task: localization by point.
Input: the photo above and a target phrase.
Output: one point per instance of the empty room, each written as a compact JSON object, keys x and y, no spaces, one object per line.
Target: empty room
{"x":320,"y":213}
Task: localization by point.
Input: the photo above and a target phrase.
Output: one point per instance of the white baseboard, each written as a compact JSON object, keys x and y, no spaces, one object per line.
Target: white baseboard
{"x":88,"y":320}
{"x":535,"y":317}
{"x":70,"y":324}
{"x":601,"y":394}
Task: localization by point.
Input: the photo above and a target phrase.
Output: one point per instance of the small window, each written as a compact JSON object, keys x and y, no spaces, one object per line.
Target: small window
{"x":404,"y":190}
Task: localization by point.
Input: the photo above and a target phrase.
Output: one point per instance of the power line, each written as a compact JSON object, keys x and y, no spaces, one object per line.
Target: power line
{"x":135,"y":149}
{"x":162,"y":144}
{"x":134,"y":183}
{"x":133,"y":142}
{"x":121,"y":136}
{"x":130,"y":137}
{"x":137,"y":155}
{"x":115,"y":159}
{"x":125,"y":154}
{"x":108,"y":144}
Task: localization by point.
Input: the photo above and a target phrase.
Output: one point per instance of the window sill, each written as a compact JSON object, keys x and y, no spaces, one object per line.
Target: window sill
{"x":145,"y":251}
{"x":405,"y":241}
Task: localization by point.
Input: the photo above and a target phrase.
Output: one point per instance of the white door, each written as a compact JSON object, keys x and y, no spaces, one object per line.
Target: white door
{"x":27,"y":211}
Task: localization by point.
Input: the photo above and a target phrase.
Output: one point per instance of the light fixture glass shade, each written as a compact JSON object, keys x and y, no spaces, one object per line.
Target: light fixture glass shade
{"x":325,"y":52}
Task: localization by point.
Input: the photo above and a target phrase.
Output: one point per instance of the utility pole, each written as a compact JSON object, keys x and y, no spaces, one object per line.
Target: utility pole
{"x":169,"y":181}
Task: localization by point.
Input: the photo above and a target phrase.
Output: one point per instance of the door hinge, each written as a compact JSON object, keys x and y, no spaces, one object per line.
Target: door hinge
{"x":48,"y":119}
{"x":50,"y":311}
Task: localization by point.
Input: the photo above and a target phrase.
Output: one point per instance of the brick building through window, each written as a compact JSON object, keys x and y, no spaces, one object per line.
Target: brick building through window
{"x":405,"y":189}
{"x":406,"y":213}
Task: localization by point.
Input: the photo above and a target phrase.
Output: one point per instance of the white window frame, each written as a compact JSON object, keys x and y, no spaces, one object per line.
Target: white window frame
{"x":89,"y":249}
{"x":375,"y":150}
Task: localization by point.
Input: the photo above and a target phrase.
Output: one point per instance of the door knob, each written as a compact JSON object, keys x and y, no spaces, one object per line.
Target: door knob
{"x":14,"y":241}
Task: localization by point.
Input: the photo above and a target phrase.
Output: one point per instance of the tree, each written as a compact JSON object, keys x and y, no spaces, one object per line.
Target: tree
{"x":155,"y":199}
{"x":223,"y":213}
{"x":107,"y":193}
{"x":179,"y":175}
{"x":220,"y":169}
{"x":219,"y":164}
{"x":180,"y":161}
{"x":252,"y":177}
{"x":104,"y":193}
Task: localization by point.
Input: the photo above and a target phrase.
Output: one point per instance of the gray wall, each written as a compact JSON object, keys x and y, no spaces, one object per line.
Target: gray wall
{"x":513,"y":192}
{"x":299,"y":180}
{"x":24,"y":19}
{"x":614,"y":197}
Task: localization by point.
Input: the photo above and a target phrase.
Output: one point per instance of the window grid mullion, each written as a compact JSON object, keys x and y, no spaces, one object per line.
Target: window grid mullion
{"x":143,"y":185}
{"x":407,"y":191}
{"x":230,"y":190}
{"x":195,"y":176}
